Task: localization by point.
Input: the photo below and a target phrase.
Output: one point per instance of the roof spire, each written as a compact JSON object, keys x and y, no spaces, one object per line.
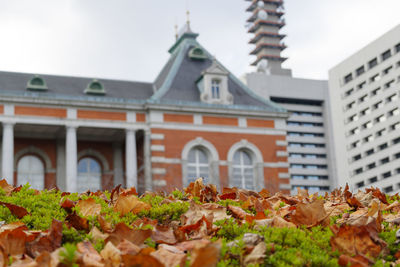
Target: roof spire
{"x":176,"y":32}
{"x":188,"y":18}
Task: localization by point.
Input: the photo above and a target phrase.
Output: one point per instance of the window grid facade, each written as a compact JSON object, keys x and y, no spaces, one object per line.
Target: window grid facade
{"x":370,"y":105}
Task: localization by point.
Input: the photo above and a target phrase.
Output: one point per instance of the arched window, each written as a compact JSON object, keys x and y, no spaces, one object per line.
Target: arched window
{"x":197,"y":166}
{"x":215,"y":86}
{"x":31,"y":170}
{"x":89,"y":175}
{"x":243,"y":170}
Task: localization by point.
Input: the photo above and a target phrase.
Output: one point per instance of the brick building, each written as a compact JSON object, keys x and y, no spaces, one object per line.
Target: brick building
{"x":196,"y":119}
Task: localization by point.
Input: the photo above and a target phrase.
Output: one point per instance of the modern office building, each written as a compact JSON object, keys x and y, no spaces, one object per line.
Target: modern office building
{"x":364,"y":101}
{"x":306,"y":100}
{"x":195,"y":120}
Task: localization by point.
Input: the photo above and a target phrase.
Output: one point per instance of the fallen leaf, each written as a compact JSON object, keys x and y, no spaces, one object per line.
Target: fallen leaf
{"x":97,"y":235}
{"x":127,"y":247}
{"x":17,"y":211}
{"x":67,"y":204}
{"x":257,"y":255}
{"x":310,"y":214}
{"x":104,"y":224}
{"x":142,"y":260}
{"x":238,"y":212}
{"x":77,"y":222}
{"x":90,"y":257}
{"x":164,"y":234}
{"x":168,"y":258}
{"x":5,"y":186}
{"x":130,"y":203}
{"x":111,"y":255}
{"x":13,"y":241}
{"x":206,"y":255}
{"x":88,"y":207}
{"x":46,"y":241}
{"x":122,"y":231}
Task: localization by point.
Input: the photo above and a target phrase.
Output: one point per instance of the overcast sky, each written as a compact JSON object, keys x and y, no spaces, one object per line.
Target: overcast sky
{"x":129,"y":39}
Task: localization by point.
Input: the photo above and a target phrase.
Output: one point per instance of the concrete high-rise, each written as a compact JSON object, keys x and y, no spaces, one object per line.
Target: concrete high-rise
{"x":307,"y":138}
{"x":364,"y":102}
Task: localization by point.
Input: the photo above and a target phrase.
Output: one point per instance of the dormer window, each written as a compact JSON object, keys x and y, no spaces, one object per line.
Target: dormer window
{"x":215,"y":86}
{"x":37,"y":84}
{"x":95,"y":88}
{"x":196,"y":53}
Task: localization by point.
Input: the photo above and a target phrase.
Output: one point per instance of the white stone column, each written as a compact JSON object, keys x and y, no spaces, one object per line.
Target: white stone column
{"x":118,"y":165}
{"x":131,"y":159}
{"x":61,"y":181}
{"x":147,"y":161}
{"x":71,"y":160}
{"x":7,"y":159}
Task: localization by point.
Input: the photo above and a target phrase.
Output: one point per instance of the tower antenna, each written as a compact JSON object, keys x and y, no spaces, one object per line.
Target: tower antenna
{"x":187,"y":14}
{"x":176,"y":32}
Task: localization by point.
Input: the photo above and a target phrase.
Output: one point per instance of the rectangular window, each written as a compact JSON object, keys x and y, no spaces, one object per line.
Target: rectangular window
{"x":292,"y":123}
{"x":296,"y":166}
{"x":369,"y":152}
{"x":295,"y":155}
{"x":386,"y":175}
{"x":365,"y":111}
{"x":298,"y":177}
{"x":375,"y":78}
{"x":395,"y":126}
{"x":378,"y":105}
{"x":384,"y":160}
{"x":373,"y":180}
{"x":348,"y":78}
{"x":383,"y":146}
{"x":360,"y":70}
{"x":215,"y":85}
{"x":380,"y":132}
{"x":360,"y":184}
{"x":387,"y":70}
{"x":394,"y":112}
{"x":350,"y":105}
{"x":396,"y":140}
{"x":372,"y":63}
{"x":397,"y":48}
{"x":389,"y":84}
{"x":388,"y":189}
{"x":358,"y":171}
{"x":397,"y":155}
{"x":376,"y":91}
{"x":387,"y":54}
{"x":361,"y":85}
{"x":363,"y":98}
{"x":371,"y":165}
{"x":357,"y":157}
{"x":369,"y":138}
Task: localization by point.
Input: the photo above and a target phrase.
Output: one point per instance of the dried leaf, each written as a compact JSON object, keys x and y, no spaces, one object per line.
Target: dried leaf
{"x":67,"y":204}
{"x":88,"y":207}
{"x":17,"y":211}
{"x":142,"y":260}
{"x":238,"y":212}
{"x":206,"y":255}
{"x":127,"y":247}
{"x":169,"y":259}
{"x":111,"y":255}
{"x":47,"y":241}
{"x":122,"y":231}
{"x":77,"y":222}
{"x":257,"y":255}
{"x":90,"y":257}
{"x":164,"y":234}
{"x":310,"y":214}
{"x":5,"y":186}
{"x":97,"y":235}
{"x":130,"y":203}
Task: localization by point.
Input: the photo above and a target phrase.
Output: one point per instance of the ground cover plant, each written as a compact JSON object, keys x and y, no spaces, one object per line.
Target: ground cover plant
{"x":197,"y":227}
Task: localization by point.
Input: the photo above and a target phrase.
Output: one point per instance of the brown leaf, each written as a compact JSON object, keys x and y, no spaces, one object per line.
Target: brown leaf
{"x":5,"y":186}
{"x":77,"y":222}
{"x":169,"y":259}
{"x":122,"y":231}
{"x":378,"y":194}
{"x":97,"y":235}
{"x":67,"y":204}
{"x":111,"y":255}
{"x":13,"y":241}
{"x":141,"y":260}
{"x":191,"y":244}
{"x":164,"y":234}
{"x":231,"y":195}
{"x":238,"y":212}
{"x":90,"y":257}
{"x":127,"y":247}
{"x":206,"y":255}
{"x":257,"y":255}
{"x":104,"y":224}
{"x":213,"y":212}
{"x":264,"y":193}
{"x":130,"y":203}
{"x":88,"y":207}
{"x":44,"y":260}
{"x":309,"y":214}
{"x":354,"y":240}
{"x":46,"y":241}
{"x":17,"y":211}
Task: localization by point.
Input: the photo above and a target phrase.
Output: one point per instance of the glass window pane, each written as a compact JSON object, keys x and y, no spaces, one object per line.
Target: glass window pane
{"x":202,"y":156}
{"x":89,"y":175}
{"x":94,"y":166}
{"x":30,"y":170}
{"x":246,"y":158}
{"x":192,"y":156}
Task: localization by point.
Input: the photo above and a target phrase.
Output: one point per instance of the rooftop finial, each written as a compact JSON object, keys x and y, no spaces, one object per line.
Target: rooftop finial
{"x":188,"y":18}
{"x":176,"y":32}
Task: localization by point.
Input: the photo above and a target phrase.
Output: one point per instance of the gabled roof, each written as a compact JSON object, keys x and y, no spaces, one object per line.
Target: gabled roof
{"x":177,"y":80}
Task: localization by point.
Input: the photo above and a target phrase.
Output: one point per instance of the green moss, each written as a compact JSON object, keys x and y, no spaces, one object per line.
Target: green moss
{"x":68,"y":255}
{"x":166,"y":212}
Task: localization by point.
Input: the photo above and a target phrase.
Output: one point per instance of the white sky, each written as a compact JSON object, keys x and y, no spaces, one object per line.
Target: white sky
{"x":129,"y":39}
